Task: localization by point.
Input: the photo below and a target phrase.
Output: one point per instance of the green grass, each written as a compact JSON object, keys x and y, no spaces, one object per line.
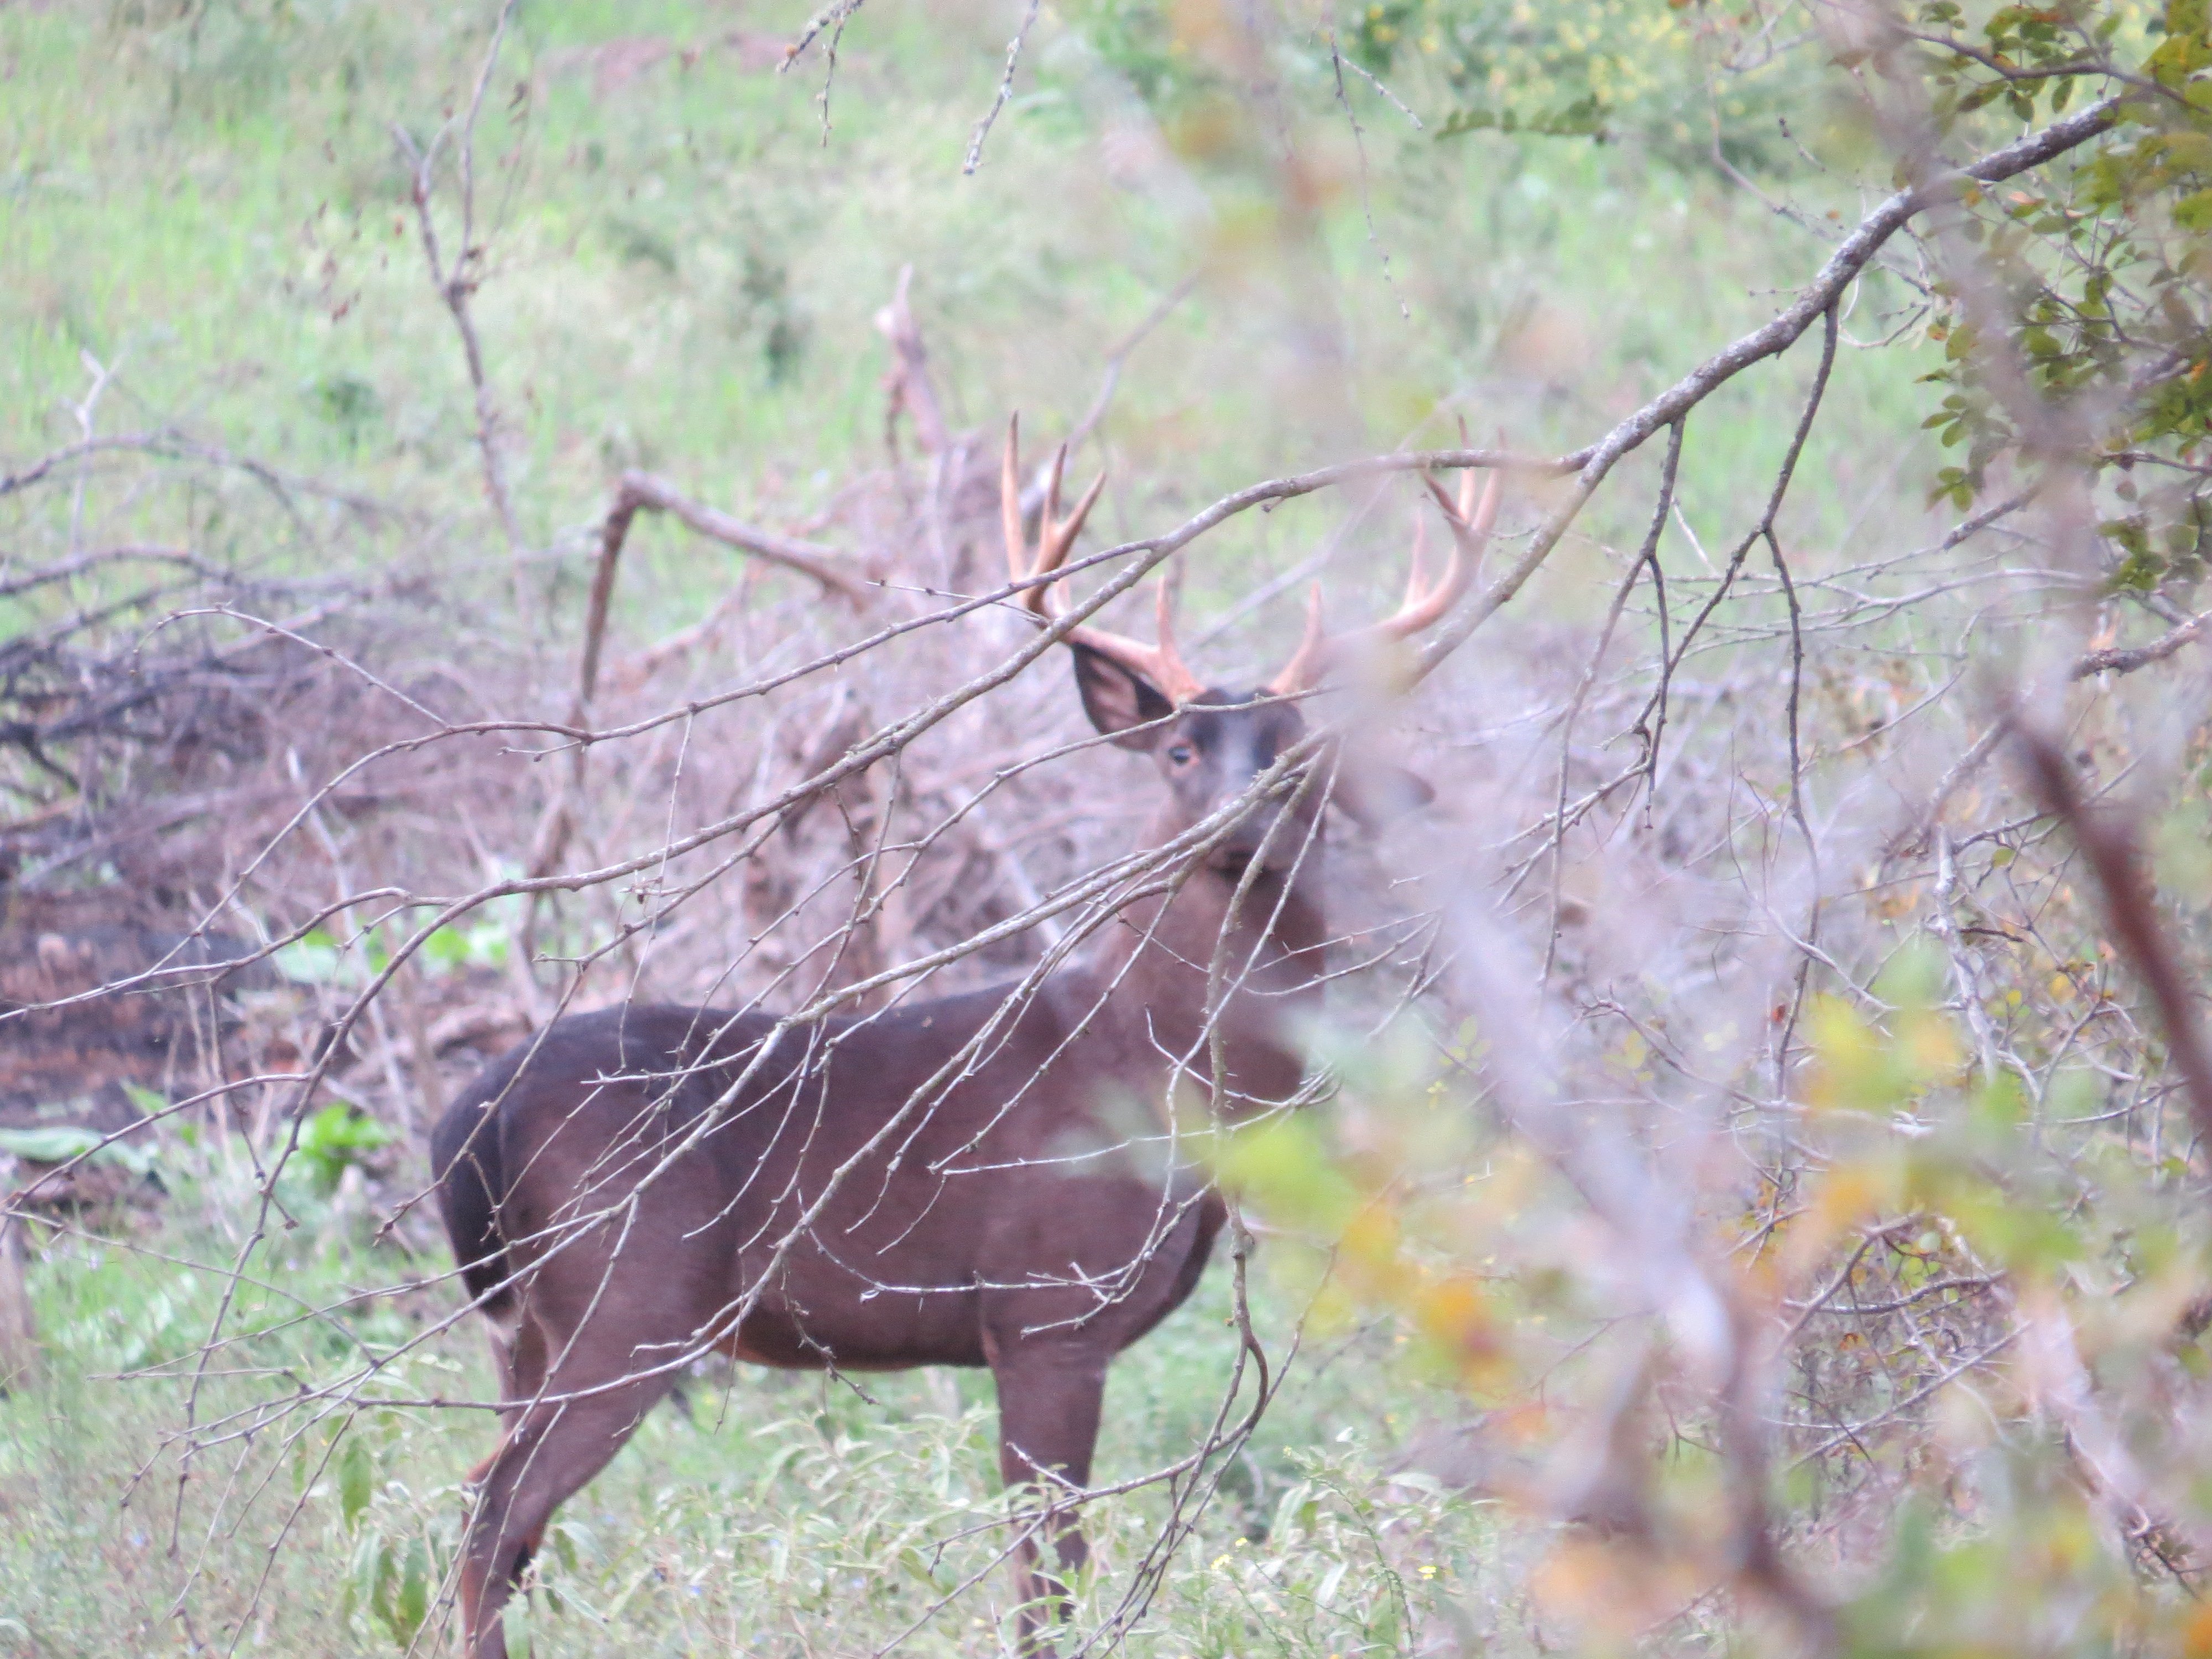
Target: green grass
{"x":775,"y":1514}
{"x":681,"y":275}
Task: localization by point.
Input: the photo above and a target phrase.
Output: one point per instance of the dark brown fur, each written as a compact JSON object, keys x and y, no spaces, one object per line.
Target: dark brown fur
{"x":634,"y":1187}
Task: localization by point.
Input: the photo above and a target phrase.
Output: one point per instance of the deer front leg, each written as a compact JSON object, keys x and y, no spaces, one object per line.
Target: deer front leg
{"x":1048,"y":1400}
{"x":554,"y":1446}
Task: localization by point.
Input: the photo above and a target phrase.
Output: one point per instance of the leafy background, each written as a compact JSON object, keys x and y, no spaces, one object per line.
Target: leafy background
{"x":1963,"y":1209}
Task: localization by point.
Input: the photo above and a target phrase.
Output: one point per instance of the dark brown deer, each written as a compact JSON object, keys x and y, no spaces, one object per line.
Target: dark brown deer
{"x":948,"y":1182}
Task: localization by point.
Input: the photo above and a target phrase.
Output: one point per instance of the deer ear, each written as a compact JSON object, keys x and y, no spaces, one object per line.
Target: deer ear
{"x":1119,"y":699}
{"x":1376,"y":793}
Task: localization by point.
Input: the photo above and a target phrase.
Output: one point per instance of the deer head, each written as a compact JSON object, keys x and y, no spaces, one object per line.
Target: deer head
{"x":1211,"y":741}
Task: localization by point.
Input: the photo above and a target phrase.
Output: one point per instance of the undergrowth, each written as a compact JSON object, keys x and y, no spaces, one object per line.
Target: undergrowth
{"x":760,"y":1513}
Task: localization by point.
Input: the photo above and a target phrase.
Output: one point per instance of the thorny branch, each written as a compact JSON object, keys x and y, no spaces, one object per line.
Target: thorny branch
{"x":457,"y":282}
{"x":974,"y":158}
{"x":919,"y":832}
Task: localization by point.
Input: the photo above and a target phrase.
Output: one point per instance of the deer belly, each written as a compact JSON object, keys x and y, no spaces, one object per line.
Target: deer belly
{"x":888,"y":1332}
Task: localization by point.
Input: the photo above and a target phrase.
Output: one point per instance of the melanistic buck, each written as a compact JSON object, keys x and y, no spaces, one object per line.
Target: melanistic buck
{"x":947,"y":1183}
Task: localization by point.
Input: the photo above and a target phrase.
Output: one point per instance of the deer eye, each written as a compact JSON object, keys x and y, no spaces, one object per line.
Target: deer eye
{"x":1181,"y":754}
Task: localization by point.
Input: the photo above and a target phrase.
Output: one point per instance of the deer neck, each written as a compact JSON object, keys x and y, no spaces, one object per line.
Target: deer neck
{"x":1207,"y":976}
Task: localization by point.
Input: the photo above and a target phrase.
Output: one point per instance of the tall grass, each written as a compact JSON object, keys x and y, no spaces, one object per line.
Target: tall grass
{"x":681,"y":274}
{"x":763,"y":1514}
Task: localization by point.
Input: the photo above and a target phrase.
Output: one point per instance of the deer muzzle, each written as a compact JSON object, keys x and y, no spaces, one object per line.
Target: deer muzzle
{"x":1266,"y":834}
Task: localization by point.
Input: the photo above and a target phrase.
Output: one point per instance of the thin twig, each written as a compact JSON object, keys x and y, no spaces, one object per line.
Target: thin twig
{"x":1005,"y":90}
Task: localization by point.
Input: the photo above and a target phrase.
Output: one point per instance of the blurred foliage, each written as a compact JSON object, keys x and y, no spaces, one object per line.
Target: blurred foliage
{"x":2098,"y":308}
{"x":766,"y":1512}
{"x":2092,"y":321}
{"x":1980,"y":1181}
{"x":333,"y":1139}
{"x":1943,"y":1236}
{"x":1686,"y":82}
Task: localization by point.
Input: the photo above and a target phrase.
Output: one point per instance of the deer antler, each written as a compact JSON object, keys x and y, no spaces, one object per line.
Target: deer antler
{"x":1424,"y":605}
{"x":1162,"y":664}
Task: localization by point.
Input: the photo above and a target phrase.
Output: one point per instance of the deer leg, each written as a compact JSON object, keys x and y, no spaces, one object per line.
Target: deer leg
{"x":1048,"y":1400}
{"x":519,"y":1357}
{"x":523,"y":1373}
{"x":552,"y":1449}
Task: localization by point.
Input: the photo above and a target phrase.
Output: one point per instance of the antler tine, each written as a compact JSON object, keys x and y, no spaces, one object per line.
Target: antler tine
{"x":1051,"y":508}
{"x":1468,"y":536}
{"x":1466,"y":474}
{"x":1057,"y":539}
{"x":1416,"y":561}
{"x":1055,"y":536}
{"x":1470,"y":528}
{"x":1171,"y":672}
{"x":1471,"y":523}
{"x":1010,"y":517}
{"x":1303,"y":671}
{"x":1163,"y":663}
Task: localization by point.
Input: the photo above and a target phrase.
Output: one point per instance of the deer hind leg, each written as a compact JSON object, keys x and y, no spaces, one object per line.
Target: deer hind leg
{"x":554,"y":1447}
{"x":517,"y":1354}
{"x":1049,"y":1402}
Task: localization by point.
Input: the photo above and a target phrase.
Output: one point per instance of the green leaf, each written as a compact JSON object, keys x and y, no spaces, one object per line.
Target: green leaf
{"x":312,"y":959}
{"x":151,"y":1102}
{"x":335,"y":1137}
{"x":357,"y":1478}
{"x":64,"y":1143}
{"x":57,"y":1145}
{"x":1463,"y":121}
{"x":446,"y":948}
{"x":2194,"y":211}
{"x":1284,"y":1165}
{"x":410,"y":1601}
